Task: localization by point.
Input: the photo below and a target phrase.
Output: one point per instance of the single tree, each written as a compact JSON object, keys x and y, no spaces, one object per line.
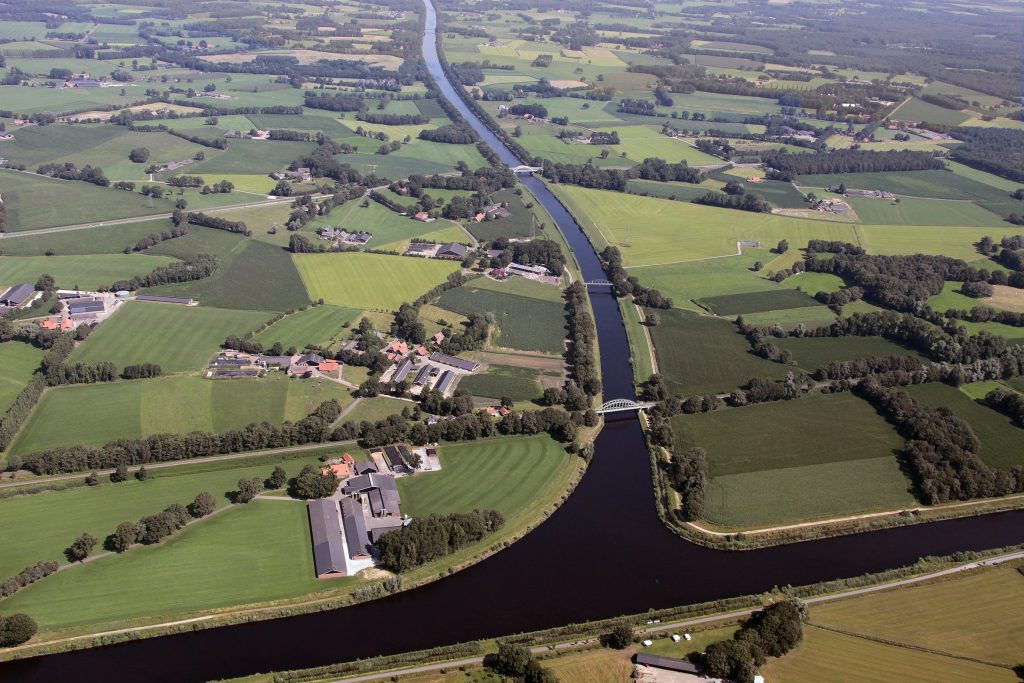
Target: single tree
{"x":93,"y":479}
{"x":248,"y":489}
{"x":126,"y":534}
{"x":142,"y":474}
{"x":277,"y":478}
{"x":120,"y":473}
{"x":16,"y":629}
{"x":202,"y":505}
{"x":621,"y":636}
{"x":80,"y":548}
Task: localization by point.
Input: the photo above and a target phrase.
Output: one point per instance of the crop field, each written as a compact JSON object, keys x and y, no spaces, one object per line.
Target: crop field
{"x":316,"y":325}
{"x":99,"y":509}
{"x":937,"y":184}
{"x":99,"y":270}
{"x":839,"y":658}
{"x":523,"y":322}
{"x":661,"y":231}
{"x":245,"y":155}
{"x":700,"y":354}
{"x":823,"y":456}
{"x":507,"y":475}
{"x":253,"y":276}
{"x":30,"y":202}
{"x":519,"y":224}
{"x":520,"y":286}
{"x":212,"y":564}
{"x":990,"y":601}
{"x":374,"y":409}
{"x":812,"y":283}
{"x":917,"y":211}
{"x":1000,"y":439}
{"x":684,"y":282}
{"x":199,"y":240}
{"x":811,"y":353}
{"x":754,"y":302}
{"x":17,"y":363}
{"x":106,"y":240}
{"x":354,"y":279}
{"x":500,"y":381}
{"x":916,"y":110}
{"x":93,"y":414}
{"x":178,"y":338}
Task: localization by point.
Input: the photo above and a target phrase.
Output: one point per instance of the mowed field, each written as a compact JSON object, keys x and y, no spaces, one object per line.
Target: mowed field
{"x":507,"y":475}
{"x":811,"y":353}
{"x":70,"y":272}
{"x":698,"y":354}
{"x":17,"y":363}
{"x":93,"y":414}
{"x":818,"y":456}
{"x":500,"y":381}
{"x":1002,"y":443}
{"x":370,"y":281}
{"x":315,"y":325}
{"x":177,"y":338}
{"x":523,"y":322}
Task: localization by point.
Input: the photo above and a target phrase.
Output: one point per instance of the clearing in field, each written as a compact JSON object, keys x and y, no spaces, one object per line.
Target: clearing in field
{"x":370,"y":281}
{"x":525,"y":323}
{"x":814,"y":457}
{"x":698,"y":354}
{"x":316,"y":325}
{"x":755,"y":302}
{"x":178,"y":338}
{"x":1000,"y":439}
{"x":94,"y":414}
{"x":74,"y":272}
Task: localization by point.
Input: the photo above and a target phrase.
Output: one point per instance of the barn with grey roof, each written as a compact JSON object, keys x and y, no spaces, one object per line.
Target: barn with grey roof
{"x":328,"y":547}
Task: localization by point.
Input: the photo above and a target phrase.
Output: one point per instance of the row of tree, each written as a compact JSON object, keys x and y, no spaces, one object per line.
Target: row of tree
{"x":782,"y":165}
{"x":582,"y":334}
{"x":193,"y":268}
{"x":68,"y":171}
{"x":429,"y":538}
{"x":217,"y":223}
{"x":629,"y":285}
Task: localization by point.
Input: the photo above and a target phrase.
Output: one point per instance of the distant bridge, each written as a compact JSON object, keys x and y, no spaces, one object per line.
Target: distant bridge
{"x":523,"y":169}
{"x":620,"y":405}
{"x":598,"y":283}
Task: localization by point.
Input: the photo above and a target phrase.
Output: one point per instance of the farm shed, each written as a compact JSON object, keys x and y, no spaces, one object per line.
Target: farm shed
{"x":325,"y":528}
{"x":355,"y":529}
{"x":17,"y":295}
{"x":668,"y":663}
{"x":460,"y":363}
{"x":165,"y":299}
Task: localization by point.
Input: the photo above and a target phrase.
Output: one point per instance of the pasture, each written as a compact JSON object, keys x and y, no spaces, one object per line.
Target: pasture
{"x":210,"y":565}
{"x":178,"y":338}
{"x":523,"y":322}
{"x":507,"y":475}
{"x":824,"y":456}
{"x":1000,"y":439}
{"x":316,"y":325}
{"x":73,"y":272}
{"x":918,"y":211}
{"x":811,"y":353}
{"x":990,"y":600}
{"x":937,"y":184}
{"x":370,"y":281}
{"x":110,"y":239}
{"x":698,"y":354}
{"x":17,"y":363}
{"x":30,"y":202}
{"x":501,"y":381}
{"x":755,"y":302}
{"x":93,"y":414}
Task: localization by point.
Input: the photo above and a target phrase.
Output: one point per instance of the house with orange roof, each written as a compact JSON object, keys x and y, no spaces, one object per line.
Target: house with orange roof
{"x":438,"y":338}
{"x":348,"y":459}
{"x":329,"y":366}
{"x":67,"y":324}
{"x":422,"y":351}
{"x":49,"y":324}
{"x":340,"y":469}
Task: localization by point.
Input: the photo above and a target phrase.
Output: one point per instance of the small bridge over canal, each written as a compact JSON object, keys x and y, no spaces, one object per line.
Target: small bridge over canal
{"x":621,"y":405}
{"x":523,"y":169}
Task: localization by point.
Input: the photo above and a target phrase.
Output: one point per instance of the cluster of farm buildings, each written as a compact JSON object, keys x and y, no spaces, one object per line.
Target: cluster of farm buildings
{"x":345,"y":526}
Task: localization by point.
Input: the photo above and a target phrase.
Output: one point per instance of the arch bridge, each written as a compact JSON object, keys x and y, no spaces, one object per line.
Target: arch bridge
{"x":619,"y":405}
{"x":524,"y":169}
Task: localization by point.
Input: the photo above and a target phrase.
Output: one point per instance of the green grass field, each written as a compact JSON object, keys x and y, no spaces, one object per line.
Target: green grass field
{"x":178,"y":338}
{"x":700,"y":354}
{"x":811,"y":353}
{"x":520,"y":286}
{"x":915,"y":111}
{"x":99,"y":509}
{"x":375,"y":409}
{"x":756,"y":302}
{"x":1000,"y":439}
{"x":316,"y":325}
{"x":213,"y":564}
{"x":31,"y":204}
{"x":17,"y":363}
{"x":111,"y":239}
{"x":500,"y":381}
{"x":93,"y":414}
{"x":917,"y":211}
{"x":370,"y":281}
{"x":937,"y":184}
{"x":838,"y":658}
{"x":814,"y":457}
{"x":98,"y":270}
{"x":523,"y":323}
{"x":990,"y":601}
{"x":715,"y":277}
{"x":507,"y":475}
{"x":253,"y":276}
{"x":639,"y":348}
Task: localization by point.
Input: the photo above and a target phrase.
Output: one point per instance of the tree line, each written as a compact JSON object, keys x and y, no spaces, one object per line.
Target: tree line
{"x":68,"y":171}
{"x":193,"y":268}
{"x":629,"y":285}
{"x":1009,"y":403}
{"x":687,"y":473}
{"x":217,"y":223}
{"x":454,"y":134}
{"x":156,"y":238}
{"x":580,"y":353}
{"x":995,"y":150}
{"x":429,"y":538}
{"x":785,"y":166}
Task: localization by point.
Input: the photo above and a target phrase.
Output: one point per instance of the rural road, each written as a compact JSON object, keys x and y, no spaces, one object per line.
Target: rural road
{"x":681,"y":625}
{"x":175,"y":463}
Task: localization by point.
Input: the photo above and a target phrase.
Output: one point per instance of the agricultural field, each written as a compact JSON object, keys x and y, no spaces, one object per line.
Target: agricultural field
{"x":94,"y":414}
{"x":73,"y":272}
{"x":503,"y":381}
{"x":178,"y":338}
{"x":524,"y":322}
{"x":370,"y":281}
{"x":734,"y":304}
{"x":700,"y":354}
{"x":17,"y":364}
{"x":317,"y":325}
{"x":811,"y":353}
{"x":823,"y":456}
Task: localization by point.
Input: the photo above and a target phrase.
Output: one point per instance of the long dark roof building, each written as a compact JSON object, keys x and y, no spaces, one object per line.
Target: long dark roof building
{"x":460,"y":363}
{"x":355,"y":529}
{"x":666,"y":663}
{"x":325,"y":527}
{"x":16,"y":295}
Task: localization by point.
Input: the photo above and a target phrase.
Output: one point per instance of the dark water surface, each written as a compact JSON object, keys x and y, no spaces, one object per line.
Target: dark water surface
{"x":603,"y":553}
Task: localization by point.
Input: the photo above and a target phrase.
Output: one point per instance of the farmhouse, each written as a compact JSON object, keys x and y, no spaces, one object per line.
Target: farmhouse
{"x":380,"y":491}
{"x":460,"y":363}
{"x":452,"y":250}
{"x":423,"y":217}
